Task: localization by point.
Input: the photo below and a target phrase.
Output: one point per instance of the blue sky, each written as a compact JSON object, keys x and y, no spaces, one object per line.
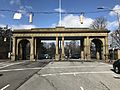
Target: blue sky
{"x":51,"y":20}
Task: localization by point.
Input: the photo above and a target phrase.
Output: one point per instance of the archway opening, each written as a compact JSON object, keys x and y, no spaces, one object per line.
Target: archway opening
{"x":24,"y":50}
{"x":96,"y":49}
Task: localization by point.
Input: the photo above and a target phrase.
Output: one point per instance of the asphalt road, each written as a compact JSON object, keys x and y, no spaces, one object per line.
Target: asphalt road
{"x":74,"y":76}
{"x":14,"y":74}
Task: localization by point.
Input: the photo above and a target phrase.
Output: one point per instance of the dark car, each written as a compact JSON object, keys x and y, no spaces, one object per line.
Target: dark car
{"x":116,"y":66}
{"x":75,"y":56}
{"x":44,"y":56}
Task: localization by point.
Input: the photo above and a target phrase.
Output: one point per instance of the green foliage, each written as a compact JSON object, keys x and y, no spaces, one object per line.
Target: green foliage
{"x":5,"y":38}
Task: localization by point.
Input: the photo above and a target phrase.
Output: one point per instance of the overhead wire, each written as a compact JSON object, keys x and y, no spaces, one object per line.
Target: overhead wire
{"x":55,"y":12}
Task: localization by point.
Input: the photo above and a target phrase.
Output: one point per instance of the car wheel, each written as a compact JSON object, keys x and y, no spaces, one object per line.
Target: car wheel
{"x":116,"y":70}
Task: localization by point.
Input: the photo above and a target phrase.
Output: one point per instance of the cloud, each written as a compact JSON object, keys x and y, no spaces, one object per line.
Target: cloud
{"x":19,"y":26}
{"x":24,"y":9}
{"x":22,"y":26}
{"x":116,"y":9}
{"x":21,"y":8}
{"x":11,"y":2}
{"x":112,"y":25}
{"x":59,"y":10}
{"x":17,"y":2}
{"x":2,"y":25}
{"x":2,"y":15}
{"x":74,"y":21}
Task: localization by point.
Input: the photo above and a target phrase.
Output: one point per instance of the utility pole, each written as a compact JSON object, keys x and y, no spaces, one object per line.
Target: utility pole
{"x":60,"y":12}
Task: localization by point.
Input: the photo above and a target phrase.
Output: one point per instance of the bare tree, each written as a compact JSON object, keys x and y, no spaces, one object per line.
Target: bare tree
{"x":100,"y":23}
{"x":115,"y":39}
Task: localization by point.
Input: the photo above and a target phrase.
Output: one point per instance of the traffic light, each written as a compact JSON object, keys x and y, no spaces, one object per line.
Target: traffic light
{"x":30,"y":17}
{"x":81,"y":17}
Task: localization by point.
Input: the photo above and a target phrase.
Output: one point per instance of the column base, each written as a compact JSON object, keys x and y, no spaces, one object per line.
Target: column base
{"x":63,"y":57}
{"x":98,"y":57}
{"x":13,"y":58}
{"x":57,"y":57}
{"x":32,"y":58}
{"x":82,"y":55}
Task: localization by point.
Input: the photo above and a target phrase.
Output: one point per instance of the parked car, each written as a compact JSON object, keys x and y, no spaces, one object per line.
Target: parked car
{"x":44,"y":56}
{"x":116,"y":66}
{"x":75,"y":56}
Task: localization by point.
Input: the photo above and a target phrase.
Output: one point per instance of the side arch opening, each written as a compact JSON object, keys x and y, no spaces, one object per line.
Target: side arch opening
{"x":24,"y":50}
{"x":96,"y":49}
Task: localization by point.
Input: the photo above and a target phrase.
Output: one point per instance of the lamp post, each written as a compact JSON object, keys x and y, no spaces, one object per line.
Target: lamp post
{"x":60,"y":12}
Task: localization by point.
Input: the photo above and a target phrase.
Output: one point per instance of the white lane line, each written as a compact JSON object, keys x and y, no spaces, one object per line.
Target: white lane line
{"x":74,"y":73}
{"x":81,"y":88}
{"x":21,"y":69}
{"x":73,"y":67}
{"x":11,"y":64}
{"x":67,"y":67}
{"x":5,"y":87}
{"x":2,"y":63}
{"x":116,"y":76}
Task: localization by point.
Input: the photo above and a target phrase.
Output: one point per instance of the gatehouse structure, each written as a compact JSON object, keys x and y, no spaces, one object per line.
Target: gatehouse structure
{"x":25,"y":42}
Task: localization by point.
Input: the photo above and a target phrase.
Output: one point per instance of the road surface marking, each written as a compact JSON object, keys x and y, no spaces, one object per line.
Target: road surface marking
{"x":11,"y":64}
{"x":21,"y":69}
{"x":116,"y":76}
{"x":3,"y":63}
{"x":81,"y":88}
{"x":5,"y":87}
{"x":72,"y":67}
{"x":74,"y":73}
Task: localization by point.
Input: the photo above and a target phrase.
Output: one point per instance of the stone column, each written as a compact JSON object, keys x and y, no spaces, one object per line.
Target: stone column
{"x":38,"y":47}
{"x":13,"y":50}
{"x":82,"y":49}
{"x":85,"y":48}
{"x":57,"y":47}
{"x":35,"y":51}
{"x":88,"y":48}
{"x":106,"y":48}
{"x":20,"y":52}
{"x":98,"y":56}
{"x":32,"y":49}
{"x":103,"y":53}
{"x":63,"y":51}
{"x":17,"y":42}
